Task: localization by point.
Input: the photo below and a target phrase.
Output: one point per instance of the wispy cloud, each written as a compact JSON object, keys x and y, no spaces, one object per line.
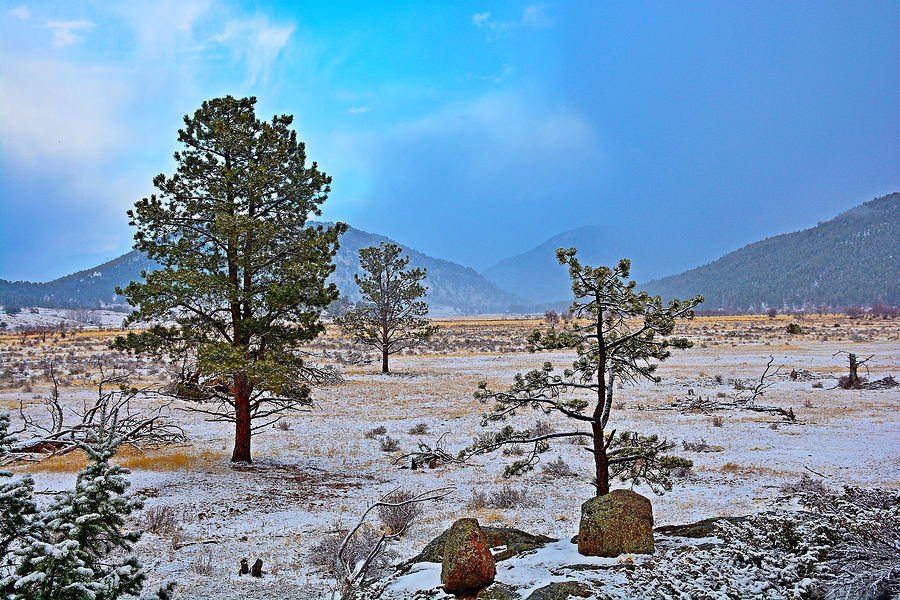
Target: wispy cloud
{"x":69,"y":112}
{"x":20,"y":12}
{"x":533,"y":17}
{"x":359,"y":109}
{"x":481,"y":19}
{"x":66,"y":33}
{"x":257,"y":42}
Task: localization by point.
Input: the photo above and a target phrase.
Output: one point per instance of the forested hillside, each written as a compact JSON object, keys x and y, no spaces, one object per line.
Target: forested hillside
{"x":453,"y":288}
{"x":851,"y":259}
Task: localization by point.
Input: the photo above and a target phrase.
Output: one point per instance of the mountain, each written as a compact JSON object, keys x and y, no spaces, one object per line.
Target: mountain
{"x":452,"y":288}
{"x":536,"y":275}
{"x":91,"y":288}
{"x":852,"y":259}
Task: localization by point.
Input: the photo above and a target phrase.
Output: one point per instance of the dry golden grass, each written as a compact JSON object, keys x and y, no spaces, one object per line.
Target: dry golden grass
{"x":748,"y":470}
{"x":169,"y":459}
{"x":65,"y":463}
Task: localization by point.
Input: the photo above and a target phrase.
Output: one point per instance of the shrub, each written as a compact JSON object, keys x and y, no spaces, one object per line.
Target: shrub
{"x":541,"y":428}
{"x":508,"y":497}
{"x":479,"y":501}
{"x":483,"y":439}
{"x":398,"y":518}
{"x":794,"y":329}
{"x":203,"y":564}
{"x":419,"y":429}
{"x":718,"y":421}
{"x":514,"y":450}
{"x":389,"y":444}
{"x":161,"y":519}
{"x":324,"y":554}
{"x":558,"y":468}
{"x":373,"y":433}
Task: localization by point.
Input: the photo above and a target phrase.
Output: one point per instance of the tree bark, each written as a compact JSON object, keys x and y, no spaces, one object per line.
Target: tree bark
{"x":384,"y":361}
{"x":854,"y":375}
{"x":241,"y":421}
{"x":601,"y":464}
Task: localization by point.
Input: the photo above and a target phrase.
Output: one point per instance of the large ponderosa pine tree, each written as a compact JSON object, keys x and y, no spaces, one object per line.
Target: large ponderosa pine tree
{"x":242,"y":275}
{"x":390,"y":317}
{"x":617,"y":334}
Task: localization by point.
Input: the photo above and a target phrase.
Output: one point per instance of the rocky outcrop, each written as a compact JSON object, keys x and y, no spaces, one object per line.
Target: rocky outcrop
{"x":699,"y":529}
{"x":499,"y":591}
{"x":562,"y":590}
{"x":616,"y":523}
{"x":516,"y":542}
{"x":468,"y":565}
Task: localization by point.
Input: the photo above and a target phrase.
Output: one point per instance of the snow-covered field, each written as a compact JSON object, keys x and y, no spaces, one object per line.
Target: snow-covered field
{"x":317,"y":476}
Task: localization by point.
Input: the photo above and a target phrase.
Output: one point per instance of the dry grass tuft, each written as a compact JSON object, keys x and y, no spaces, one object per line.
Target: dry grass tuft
{"x":171,"y":459}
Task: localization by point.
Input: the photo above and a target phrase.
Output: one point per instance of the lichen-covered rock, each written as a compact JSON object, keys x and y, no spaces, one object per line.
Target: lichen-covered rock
{"x":499,"y":591}
{"x":516,"y":541}
{"x":700,"y":529}
{"x":562,"y":590}
{"x":616,"y":523}
{"x":468,"y":565}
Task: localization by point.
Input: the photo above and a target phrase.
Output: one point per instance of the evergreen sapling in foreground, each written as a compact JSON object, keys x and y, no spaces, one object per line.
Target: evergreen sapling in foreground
{"x":78,"y":547}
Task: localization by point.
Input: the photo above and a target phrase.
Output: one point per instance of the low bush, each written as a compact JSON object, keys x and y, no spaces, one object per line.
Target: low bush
{"x":397,"y":518}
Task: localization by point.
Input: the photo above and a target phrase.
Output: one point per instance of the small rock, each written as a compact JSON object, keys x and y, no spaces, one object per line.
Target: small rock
{"x":561,"y":591}
{"x":468,"y":565}
{"x":499,"y":591}
{"x":616,"y":523}
{"x":245,"y":567}
{"x":256,"y":569}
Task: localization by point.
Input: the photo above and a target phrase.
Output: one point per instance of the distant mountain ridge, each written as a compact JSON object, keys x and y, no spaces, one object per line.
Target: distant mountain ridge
{"x":851,"y":259}
{"x":537,"y":276}
{"x":452,"y":288}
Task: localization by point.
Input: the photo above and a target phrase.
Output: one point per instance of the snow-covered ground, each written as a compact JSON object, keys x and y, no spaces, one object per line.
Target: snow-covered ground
{"x":33,"y":318}
{"x":316,"y":477}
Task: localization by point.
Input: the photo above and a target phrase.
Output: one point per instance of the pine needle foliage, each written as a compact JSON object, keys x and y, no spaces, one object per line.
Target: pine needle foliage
{"x":390,"y":317}
{"x":242,"y":276}
{"x":619,"y":335}
{"x":78,"y":548}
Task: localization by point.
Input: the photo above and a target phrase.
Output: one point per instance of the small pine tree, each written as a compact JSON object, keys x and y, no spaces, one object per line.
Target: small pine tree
{"x":618,"y":335}
{"x":17,"y":526}
{"x":391,"y":317}
{"x":73,"y":549}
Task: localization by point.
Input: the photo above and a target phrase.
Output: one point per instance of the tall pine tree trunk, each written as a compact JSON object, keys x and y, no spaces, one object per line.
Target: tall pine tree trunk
{"x":601,"y":464}
{"x":241,"y":420}
{"x":384,"y":361}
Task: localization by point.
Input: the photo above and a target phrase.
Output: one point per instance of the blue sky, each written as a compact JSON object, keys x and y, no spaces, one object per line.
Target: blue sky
{"x":469,"y":130}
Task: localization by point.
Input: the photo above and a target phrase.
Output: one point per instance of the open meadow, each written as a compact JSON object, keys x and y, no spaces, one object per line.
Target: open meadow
{"x":316,"y":471}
